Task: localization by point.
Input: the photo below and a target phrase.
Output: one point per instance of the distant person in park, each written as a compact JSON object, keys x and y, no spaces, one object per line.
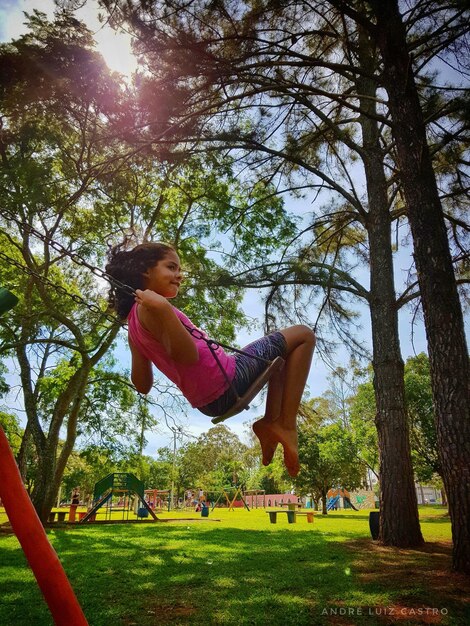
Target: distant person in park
{"x":76,"y":496}
{"x":157,"y":335}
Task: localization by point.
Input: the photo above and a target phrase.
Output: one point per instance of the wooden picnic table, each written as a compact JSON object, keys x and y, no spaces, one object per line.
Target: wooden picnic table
{"x":291,"y":516}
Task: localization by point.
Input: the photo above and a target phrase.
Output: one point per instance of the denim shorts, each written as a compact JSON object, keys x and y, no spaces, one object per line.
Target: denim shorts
{"x":247,"y":370}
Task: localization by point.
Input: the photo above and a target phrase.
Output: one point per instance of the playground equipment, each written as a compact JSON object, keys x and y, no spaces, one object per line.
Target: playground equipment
{"x":334,"y":496}
{"x":7,"y":300}
{"x":231,"y":501}
{"x":243,"y":402}
{"x":42,"y":558}
{"x":348,"y":504}
{"x":332,"y":503}
{"x":252,"y":496}
{"x":126,"y":487}
{"x":155,"y":498}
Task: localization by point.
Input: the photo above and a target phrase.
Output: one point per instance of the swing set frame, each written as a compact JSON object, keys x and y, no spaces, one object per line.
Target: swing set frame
{"x":231,"y":501}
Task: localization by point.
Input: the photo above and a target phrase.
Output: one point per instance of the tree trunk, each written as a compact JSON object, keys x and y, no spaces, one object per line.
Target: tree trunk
{"x":399,"y":521}
{"x":448,"y":353}
{"x":51,"y":466}
{"x":43,"y":496}
{"x":23,"y":453}
{"x":443,"y":497}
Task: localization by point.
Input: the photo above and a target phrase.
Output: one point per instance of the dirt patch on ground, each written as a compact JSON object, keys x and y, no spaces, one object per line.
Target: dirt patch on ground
{"x":162,"y":613}
{"x":168,"y":613}
{"x":427,"y":591}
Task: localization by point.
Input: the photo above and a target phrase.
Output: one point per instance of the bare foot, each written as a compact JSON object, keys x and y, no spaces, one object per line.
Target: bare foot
{"x":270,"y":433}
{"x":291,"y":453}
{"x":291,"y":461}
{"x":267,"y":438}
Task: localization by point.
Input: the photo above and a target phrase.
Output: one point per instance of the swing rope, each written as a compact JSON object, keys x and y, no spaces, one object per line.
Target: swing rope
{"x":240,"y":403}
{"x":58,"y":288}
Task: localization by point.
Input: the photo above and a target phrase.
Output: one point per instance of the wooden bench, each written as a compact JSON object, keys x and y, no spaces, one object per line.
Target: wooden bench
{"x":291,"y":516}
{"x":60,"y":516}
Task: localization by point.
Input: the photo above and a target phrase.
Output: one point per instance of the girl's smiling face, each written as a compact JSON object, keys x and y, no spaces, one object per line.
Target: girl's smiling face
{"x":165,"y":276}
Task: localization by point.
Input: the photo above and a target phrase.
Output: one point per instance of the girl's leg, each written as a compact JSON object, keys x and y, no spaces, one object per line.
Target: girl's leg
{"x":262,"y":428}
{"x":279,"y":425}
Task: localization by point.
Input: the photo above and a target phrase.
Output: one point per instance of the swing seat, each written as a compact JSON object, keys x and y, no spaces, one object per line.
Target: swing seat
{"x":243,"y":402}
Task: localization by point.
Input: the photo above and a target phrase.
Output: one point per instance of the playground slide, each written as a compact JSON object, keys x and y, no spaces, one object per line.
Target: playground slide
{"x":332,"y":503}
{"x":97,"y":506}
{"x":350,"y":503}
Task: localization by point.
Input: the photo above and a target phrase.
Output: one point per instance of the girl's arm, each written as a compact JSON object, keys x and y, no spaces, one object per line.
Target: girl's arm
{"x":141,"y":371}
{"x":157,"y":316}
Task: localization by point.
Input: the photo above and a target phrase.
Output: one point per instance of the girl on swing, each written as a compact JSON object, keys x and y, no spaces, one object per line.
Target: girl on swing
{"x":157,"y":335}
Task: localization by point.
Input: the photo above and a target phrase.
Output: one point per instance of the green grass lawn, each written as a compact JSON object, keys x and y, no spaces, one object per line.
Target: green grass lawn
{"x":244,"y":570}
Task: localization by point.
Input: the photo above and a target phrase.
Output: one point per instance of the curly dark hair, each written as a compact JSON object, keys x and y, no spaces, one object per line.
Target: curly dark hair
{"x":128,"y":267}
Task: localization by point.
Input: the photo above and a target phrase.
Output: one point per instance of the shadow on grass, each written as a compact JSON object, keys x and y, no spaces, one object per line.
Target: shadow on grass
{"x":183,"y":574}
{"x":431,"y":518}
{"x":356,"y":517}
{"x":191,"y":574}
{"x":434,"y":519}
{"x":424,"y":589}
{"x":21,"y":601}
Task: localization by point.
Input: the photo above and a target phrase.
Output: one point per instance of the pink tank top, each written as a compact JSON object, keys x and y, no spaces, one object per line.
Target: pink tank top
{"x":201,"y":382}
